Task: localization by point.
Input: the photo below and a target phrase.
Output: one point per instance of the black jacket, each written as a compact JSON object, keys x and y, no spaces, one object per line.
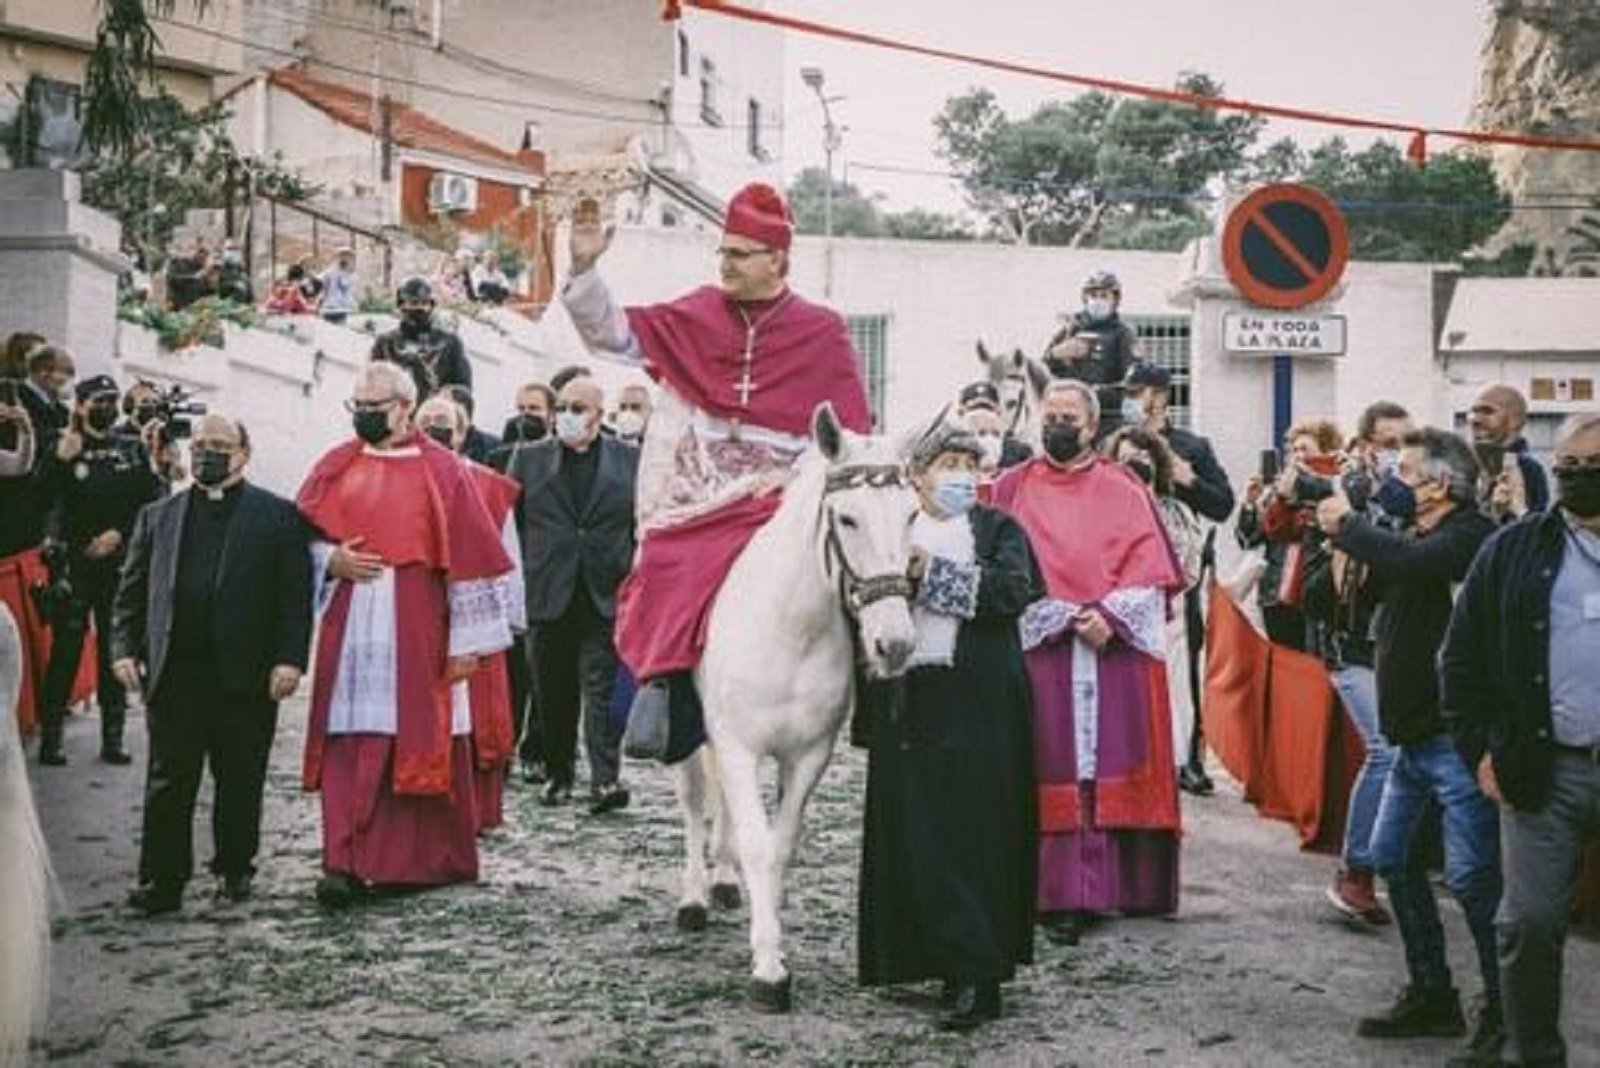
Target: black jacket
{"x":1412,"y":576}
{"x":434,"y":357}
{"x":1211,"y":495}
{"x":479,"y":446}
{"x":1493,"y":670}
{"x":264,"y":579}
{"x":564,"y":540}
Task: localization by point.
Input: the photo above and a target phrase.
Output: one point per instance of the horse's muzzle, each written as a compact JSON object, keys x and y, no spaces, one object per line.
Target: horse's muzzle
{"x":894,"y":654}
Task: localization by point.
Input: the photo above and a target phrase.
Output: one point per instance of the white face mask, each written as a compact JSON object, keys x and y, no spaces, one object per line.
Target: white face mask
{"x":630,"y":424}
{"x":572,"y":427}
{"x":992,"y":446}
{"x":1097,"y":309}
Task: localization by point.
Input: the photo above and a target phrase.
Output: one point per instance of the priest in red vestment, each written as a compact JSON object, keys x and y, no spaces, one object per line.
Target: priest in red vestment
{"x":489,"y":688}
{"x":1096,"y":653}
{"x":407,"y":573}
{"x":741,"y":368}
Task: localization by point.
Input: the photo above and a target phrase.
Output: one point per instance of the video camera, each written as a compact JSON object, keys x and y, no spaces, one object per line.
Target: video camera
{"x":175,"y":407}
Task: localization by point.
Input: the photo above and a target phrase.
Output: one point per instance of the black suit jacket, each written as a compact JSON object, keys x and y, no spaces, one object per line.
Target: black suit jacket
{"x":263,"y":591}
{"x":564,"y":540}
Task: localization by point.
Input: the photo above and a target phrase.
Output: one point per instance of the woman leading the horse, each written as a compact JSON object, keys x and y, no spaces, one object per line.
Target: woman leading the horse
{"x":949,"y":854}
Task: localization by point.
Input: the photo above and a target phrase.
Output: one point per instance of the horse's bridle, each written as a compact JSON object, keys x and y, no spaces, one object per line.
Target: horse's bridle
{"x":855,"y":590}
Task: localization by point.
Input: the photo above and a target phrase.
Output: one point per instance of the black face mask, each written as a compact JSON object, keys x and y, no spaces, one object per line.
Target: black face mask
{"x":211,"y":468}
{"x":1579,"y":491}
{"x":533,"y":427}
{"x":1146,"y":473}
{"x":416,"y":322}
{"x":443,"y":435}
{"x":371,"y":426}
{"x":1063,"y":442}
{"x":101,"y":419}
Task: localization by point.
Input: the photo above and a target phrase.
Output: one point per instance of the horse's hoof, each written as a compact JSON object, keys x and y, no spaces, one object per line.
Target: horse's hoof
{"x":770,"y":997}
{"x":692,"y":918}
{"x":726,"y":896}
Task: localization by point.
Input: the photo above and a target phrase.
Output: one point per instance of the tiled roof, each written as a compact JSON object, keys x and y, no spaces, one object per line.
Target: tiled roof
{"x":408,"y":126}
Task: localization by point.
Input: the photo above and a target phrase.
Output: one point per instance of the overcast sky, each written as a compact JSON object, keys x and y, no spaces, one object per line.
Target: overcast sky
{"x":1413,"y":61}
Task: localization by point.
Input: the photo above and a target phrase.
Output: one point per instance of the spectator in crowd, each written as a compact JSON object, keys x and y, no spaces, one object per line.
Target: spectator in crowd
{"x":411,"y":556}
{"x":142,"y":420}
{"x":559,"y":380}
{"x":1108,"y":798}
{"x":189,"y":275}
{"x":1521,"y":685}
{"x":1340,"y":604}
{"x":17,"y":448}
{"x":1512,"y":483}
{"x":986,"y":427}
{"x":339,"y":286}
{"x":452,"y":280}
{"x":98,"y":482}
{"x":949,"y":854}
{"x":1281,"y":519}
{"x":479,"y":445}
{"x":489,"y":688}
{"x":576,"y":518}
{"x":1414,"y":569}
{"x":1146,"y":455}
{"x":45,"y":391}
{"x":1202,"y":486}
{"x":535,"y":403}
{"x":431,"y":354}
{"x":14,"y":358}
{"x":489,"y":283}
{"x":311,"y":287}
{"x":1096,"y":346}
{"x":983,"y":399}
{"x":288,"y":296}
{"x":213,"y":622}
{"x":232,"y":277}
{"x":632,"y":414}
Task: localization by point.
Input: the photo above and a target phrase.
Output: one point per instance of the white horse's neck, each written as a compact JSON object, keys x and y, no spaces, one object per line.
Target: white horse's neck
{"x":789,"y":554}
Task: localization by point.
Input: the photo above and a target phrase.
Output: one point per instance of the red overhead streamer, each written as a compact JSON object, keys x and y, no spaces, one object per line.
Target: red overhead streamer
{"x":672,"y":9}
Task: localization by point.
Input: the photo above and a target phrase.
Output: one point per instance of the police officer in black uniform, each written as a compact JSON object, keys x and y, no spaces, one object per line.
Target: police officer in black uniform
{"x":1096,"y":347}
{"x":433,"y":355}
{"x":98,"y":481}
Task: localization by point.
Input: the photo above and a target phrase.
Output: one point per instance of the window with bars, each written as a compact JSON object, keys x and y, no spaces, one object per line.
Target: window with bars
{"x":870,"y":336}
{"x":1164,"y":341}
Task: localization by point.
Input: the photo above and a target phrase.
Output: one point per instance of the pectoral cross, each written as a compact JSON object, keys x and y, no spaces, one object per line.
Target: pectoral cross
{"x":745,"y":385}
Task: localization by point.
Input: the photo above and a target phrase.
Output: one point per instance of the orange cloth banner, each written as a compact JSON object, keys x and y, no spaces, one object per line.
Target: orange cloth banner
{"x":1276,"y":723}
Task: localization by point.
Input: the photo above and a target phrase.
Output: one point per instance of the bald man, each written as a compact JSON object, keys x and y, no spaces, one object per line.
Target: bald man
{"x":1510,"y":490}
{"x":212,"y":620}
{"x":576,"y":520}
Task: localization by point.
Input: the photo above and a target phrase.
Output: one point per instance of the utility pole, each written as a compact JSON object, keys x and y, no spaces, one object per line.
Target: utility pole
{"x":832,"y":138}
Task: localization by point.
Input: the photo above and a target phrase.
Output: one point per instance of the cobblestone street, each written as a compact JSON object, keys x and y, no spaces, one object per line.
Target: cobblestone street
{"x":566,"y":952}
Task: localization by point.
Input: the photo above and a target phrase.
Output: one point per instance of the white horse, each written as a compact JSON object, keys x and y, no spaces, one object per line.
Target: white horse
{"x":24,"y":872}
{"x":777,"y":677}
{"x":1021,"y":381}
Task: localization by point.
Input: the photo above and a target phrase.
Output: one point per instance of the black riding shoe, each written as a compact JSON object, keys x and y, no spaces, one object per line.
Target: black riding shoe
{"x":114,"y":754}
{"x":1194,"y":780}
{"x":154,"y":899}
{"x":52,"y":754}
{"x":1419,"y":1012}
{"x":969,"y":1005}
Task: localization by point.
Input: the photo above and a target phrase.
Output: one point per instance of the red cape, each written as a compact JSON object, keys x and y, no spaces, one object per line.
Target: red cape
{"x":460,"y":537}
{"x":802,"y":357}
{"x":1094,"y":528}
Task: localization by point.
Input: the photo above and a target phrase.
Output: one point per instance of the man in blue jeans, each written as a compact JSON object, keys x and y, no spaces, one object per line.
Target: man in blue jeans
{"x":1433,"y":495}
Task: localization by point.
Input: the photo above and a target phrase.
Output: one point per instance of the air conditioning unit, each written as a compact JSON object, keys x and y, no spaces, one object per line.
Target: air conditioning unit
{"x":451,"y":193}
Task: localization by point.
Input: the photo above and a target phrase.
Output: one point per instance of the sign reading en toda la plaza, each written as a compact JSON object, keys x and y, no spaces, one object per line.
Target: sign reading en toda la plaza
{"x":1271,"y":334}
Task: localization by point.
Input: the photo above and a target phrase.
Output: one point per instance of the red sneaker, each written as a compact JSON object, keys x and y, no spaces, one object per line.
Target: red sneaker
{"x":1353,"y":896}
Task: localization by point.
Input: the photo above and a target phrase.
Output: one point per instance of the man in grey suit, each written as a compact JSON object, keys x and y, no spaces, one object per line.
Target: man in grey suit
{"x":212,"y":620}
{"x":576,"y":521}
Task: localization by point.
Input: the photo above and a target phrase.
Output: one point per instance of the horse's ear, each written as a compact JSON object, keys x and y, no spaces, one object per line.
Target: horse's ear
{"x":1018,"y":360}
{"x":1038,"y":374}
{"x":983,"y":354}
{"x":827,"y":432}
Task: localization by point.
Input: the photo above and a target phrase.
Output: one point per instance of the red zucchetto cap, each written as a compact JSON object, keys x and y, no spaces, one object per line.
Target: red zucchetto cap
{"x":758,"y":212}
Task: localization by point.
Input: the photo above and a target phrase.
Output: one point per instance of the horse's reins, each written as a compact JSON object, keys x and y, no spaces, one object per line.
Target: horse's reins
{"x":857,"y":591}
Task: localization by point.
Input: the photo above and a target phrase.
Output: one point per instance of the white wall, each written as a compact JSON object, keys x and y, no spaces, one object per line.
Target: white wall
{"x":749,"y":61}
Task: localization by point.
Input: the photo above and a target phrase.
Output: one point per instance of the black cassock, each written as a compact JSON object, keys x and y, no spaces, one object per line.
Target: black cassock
{"x":950,"y":850}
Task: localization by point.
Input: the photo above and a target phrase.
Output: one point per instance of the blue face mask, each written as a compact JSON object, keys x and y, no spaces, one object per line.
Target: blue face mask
{"x":1132,"y":411}
{"x":571,"y":427}
{"x":956,"y":492}
{"x":1397,"y":499}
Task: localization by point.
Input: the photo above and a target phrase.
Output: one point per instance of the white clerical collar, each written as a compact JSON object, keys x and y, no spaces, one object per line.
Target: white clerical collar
{"x":397,"y":452}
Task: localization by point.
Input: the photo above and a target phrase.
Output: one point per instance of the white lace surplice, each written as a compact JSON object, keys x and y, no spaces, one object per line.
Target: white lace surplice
{"x":1142,"y":611}
{"x":690,"y":461}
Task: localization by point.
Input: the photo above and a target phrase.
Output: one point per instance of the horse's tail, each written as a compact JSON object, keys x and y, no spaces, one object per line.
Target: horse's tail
{"x":25,"y":882}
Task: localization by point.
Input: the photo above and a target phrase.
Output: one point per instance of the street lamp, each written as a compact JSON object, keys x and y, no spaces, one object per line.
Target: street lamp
{"x":814,"y":79}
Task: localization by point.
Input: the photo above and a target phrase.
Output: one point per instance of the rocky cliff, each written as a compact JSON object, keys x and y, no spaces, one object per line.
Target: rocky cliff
{"x":1541,"y":74}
